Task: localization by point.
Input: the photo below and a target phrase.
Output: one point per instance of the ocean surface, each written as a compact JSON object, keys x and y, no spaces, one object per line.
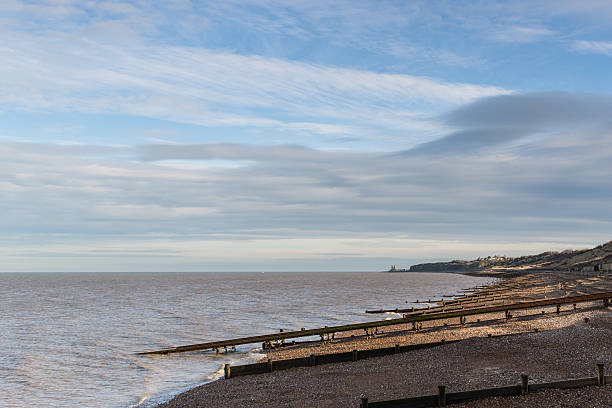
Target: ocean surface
{"x":69,"y":339}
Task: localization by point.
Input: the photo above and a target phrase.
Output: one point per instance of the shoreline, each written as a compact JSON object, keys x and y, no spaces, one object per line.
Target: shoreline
{"x":316,"y":386}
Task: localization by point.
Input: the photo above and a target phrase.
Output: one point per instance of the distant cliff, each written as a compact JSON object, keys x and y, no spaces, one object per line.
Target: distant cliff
{"x":593,"y":259}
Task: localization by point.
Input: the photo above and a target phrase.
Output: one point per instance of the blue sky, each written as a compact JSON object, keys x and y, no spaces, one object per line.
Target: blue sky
{"x":266,"y":135}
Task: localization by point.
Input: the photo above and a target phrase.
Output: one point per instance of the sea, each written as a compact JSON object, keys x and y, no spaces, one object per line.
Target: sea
{"x":70,"y":339}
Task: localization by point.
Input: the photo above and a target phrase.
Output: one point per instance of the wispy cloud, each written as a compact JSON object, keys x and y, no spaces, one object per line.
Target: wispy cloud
{"x":521,"y":34}
{"x":209,"y":88}
{"x":593,"y":47}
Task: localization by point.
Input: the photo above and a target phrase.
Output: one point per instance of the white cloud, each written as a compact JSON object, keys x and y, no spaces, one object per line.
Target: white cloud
{"x":546,"y":177}
{"x":521,"y":34}
{"x":202,"y":87}
{"x":593,"y":47}
{"x":486,"y":179}
{"x":61,"y":206}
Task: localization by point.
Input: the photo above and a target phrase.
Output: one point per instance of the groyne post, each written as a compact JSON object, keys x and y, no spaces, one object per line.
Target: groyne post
{"x":227,"y":371}
{"x":524,"y":384}
{"x":364,"y":401}
{"x":441,"y":395}
{"x":601,"y":378}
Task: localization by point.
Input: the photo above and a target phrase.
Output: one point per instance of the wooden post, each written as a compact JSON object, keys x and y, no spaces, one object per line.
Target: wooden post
{"x":355,"y":355}
{"x":364,"y":401}
{"x":228,"y":373}
{"x":397,"y":349}
{"x":441,"y":395}
{"x":270,"y":367}
{"x":313,"y":360}
{"x":606,"y":302}
{"x":558,"y":309}
{"x":601,"y":378}
{"x":524,"y":384}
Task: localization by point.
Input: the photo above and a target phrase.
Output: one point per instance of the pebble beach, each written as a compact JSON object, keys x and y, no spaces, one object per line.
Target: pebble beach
{"x":493,"y":351}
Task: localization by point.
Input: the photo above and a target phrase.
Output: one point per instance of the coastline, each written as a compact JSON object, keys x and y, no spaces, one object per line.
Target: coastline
{"x":474,"y":362}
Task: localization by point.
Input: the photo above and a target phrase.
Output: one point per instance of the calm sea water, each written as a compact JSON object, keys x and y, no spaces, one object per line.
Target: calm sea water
{"x":69,"y":340}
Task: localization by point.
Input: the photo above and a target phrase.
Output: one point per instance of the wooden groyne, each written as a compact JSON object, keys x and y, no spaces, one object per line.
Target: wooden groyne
{"x":327,"y":331}
{"x":456,"y":303}
{"x":495,"y":293}
{"x":522,"y":388}
{"x":328,"y":358}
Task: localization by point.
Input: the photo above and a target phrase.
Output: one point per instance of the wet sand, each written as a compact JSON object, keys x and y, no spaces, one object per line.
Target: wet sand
{"x":564,"y":346}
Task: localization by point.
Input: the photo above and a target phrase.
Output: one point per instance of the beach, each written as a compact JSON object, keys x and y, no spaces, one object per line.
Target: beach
{"x":547,"y":346}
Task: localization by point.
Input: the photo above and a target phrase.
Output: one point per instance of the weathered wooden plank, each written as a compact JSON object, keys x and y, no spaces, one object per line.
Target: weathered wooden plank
{"x":415,"y":402}
{"x":455,"y":397}
{"x":256,"y":368}
{"x":448,"y":304}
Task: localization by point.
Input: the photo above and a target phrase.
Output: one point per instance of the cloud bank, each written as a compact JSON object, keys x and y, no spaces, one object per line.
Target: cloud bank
{"x":519,"y":168}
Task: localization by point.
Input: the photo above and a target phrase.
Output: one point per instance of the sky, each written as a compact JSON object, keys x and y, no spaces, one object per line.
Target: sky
{"x":258,"y":135}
